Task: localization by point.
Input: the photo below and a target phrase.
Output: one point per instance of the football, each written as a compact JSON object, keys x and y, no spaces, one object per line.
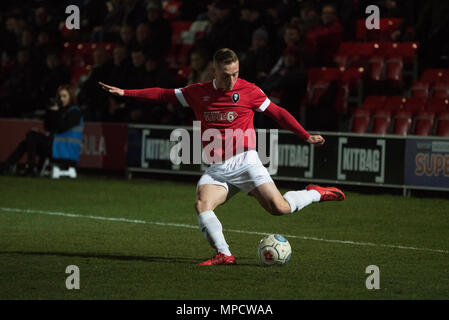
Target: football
{"x":274,"y":249}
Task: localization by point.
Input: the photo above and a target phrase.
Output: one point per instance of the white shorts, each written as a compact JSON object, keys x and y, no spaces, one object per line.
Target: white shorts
{"x":243,"y":171}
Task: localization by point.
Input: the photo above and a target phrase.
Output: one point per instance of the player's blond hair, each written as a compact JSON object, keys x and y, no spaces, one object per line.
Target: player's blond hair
{"x":225,"y":56}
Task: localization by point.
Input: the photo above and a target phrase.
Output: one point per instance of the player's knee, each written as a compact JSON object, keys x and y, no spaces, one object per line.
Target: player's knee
{"x":203,"y":205}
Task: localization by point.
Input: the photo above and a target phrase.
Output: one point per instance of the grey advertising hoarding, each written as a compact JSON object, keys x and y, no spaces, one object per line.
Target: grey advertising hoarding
{"x":370,"y":160}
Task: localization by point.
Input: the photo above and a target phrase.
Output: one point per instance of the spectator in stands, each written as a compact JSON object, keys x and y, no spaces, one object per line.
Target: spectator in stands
{"x":253,"y":17}
{"x":116,"y":111}
{"x":137,"y":76}
{"x":292,"y":37}
{"x":158,"y":75}
{"x":160,"y":28}
{"x":9,"y":41}
{"x":133,"y":12}
{"x":127,"y":36}
{"x":63,"y":119}
{"x":200,"y":63}
{"x":258,"y":61}
{"x":42,"y":21}
{"x":432,"y":31}
{"x":325,"y":39}
{"x":20,"y":92}
{"x":43,"y":46}
{"x":309,"y":17}
{"x":390,"y":8}
{"x":289,"y":83}
{"x":225,"y":27}
{"x":55,"y":74}
{"x":147,"y":40}
{"x":92,"y":100}
{"x":110,"y":29}
{"x":120,"y":69}
{"x":137,"y":72}
{"x":27,"y":39}
{"x":93,"y":18}
{"x":411,"y":11}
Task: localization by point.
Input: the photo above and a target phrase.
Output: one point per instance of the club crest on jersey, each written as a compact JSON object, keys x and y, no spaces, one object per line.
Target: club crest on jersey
{"x":235,"y":97}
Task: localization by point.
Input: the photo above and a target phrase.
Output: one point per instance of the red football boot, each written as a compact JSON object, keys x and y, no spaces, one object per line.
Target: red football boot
{"x":218,"y":259}
{"x":327,"y":193}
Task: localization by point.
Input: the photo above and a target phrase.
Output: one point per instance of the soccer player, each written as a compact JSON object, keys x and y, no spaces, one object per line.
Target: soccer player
{"x":229,"y":102}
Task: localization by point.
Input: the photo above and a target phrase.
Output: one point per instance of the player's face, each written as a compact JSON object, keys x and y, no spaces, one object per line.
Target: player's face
{"x":226,"y":75}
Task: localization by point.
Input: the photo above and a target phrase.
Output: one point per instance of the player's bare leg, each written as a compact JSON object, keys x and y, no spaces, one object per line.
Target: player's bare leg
{"x":271,"y":199}
{"x":209,"y":197}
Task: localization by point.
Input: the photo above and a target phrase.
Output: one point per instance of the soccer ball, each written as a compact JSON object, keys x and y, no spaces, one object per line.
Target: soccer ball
{"x":274,"y":249}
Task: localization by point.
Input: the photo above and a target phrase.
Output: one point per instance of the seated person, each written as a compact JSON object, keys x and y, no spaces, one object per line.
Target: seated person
{"x":62,"y":142}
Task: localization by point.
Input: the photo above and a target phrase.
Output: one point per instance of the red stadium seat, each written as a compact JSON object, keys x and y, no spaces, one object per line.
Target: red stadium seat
{"x":434,"y":75}
{"x":341,"y":100}
{"x":407,"y":51}
{"x":424,"y":121}
{"x":402,"y":121}
{"x":352,"y":76}
{"x":376,"y":68}
{"x":395,"y":103}
{"x":374,"y":102}
{"x":319,"y":80}
{"x":415,"y":104}
{"x":440,"y":90}
{"x":360,"y":120}
{"x":394,"y":73}
{"x":443,"y":125}
{"x":316,"y":91}
{"x":382,"y":121}
{"x":387,"y":27}
{"x":437,"y":105}
{"x":420,"y":89}
{"x":323,"y":74}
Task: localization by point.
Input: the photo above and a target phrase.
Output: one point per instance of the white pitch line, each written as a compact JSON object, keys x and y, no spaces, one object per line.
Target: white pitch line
{"x":182,"y":225}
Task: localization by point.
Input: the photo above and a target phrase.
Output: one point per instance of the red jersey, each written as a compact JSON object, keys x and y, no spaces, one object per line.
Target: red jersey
{"x":226,"y":116}
{"x":229,"y":112}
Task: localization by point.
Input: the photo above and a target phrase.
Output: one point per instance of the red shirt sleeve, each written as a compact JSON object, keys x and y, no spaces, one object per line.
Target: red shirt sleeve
{"x":153,"y":94}
{"x":286,"y":120}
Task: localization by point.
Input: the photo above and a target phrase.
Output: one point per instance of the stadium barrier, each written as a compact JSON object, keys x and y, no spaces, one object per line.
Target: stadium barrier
{"x":104,"y":144}
{"x":406,"y":162}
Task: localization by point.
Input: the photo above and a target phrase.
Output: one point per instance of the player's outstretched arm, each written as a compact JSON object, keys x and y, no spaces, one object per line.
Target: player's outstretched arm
{"x":150,"y":94}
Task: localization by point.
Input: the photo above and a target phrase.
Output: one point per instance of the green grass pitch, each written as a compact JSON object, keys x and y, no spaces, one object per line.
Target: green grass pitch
{"x":139,"y":239}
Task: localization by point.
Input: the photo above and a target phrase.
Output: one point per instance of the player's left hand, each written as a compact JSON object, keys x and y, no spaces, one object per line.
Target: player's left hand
{"x":316,"y":140}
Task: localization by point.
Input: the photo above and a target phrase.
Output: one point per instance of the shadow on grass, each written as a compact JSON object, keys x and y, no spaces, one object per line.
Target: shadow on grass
{"x":119,"y":257}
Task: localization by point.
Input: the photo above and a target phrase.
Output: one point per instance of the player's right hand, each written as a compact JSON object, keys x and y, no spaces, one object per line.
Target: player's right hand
{"x":316,"y":140}
{"x":114,"y":90}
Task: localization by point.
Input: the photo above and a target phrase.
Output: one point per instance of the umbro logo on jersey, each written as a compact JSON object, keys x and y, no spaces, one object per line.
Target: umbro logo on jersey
{"x":235,"y":97}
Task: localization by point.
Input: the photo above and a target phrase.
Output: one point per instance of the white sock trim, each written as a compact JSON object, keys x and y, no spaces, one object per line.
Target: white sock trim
{"x":291,"y":201}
